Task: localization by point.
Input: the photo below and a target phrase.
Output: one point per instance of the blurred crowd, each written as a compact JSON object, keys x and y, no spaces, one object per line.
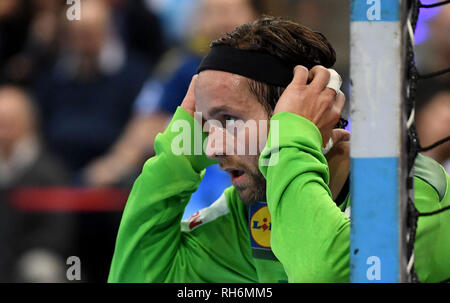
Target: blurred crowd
{"x":81,"y":101}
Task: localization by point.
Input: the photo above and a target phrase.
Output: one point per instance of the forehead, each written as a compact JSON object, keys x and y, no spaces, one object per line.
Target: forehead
{"x":222,"y":89}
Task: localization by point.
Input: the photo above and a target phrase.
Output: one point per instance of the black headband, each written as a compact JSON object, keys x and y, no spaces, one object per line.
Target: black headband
{"x":255,"y":65}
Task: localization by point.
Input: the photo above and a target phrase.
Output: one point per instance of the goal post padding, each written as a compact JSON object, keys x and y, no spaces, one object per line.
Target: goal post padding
{"x":378,"y":166}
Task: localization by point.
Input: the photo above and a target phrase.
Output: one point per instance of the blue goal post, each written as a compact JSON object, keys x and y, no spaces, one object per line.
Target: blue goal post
{"x":378,"y":145}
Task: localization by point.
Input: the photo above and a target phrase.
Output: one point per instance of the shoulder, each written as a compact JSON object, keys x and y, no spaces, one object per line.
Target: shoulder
{"x":46,"y":170}
{"x":431,"y":184}
{"x":430,"y":172}
{"x":224,"y":206}
{"x":227,"y":209}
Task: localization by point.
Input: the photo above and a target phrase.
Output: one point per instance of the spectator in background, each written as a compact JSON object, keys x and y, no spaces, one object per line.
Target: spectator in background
{"x":175,"y":17}
{"x":433,"y":95}
{"x":14,"y":24}
{"x":86,"y":96}
{"x":434,"y":53}
{"x":165,"y":90}
{"x":29,"y":33}
{"x":441,"y":38}
{"x":24,"y":161}
{"x":40,"y":46}
{"x":6,"y":253}
{"x":139,"y":28}
{"x":23,"y":158}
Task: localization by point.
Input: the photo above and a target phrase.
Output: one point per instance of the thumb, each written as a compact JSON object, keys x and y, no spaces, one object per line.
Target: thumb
{"x":188,"y":103}
{"x":339,"y":135}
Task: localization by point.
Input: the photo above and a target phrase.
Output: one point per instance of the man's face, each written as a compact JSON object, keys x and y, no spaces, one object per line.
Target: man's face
{"x":226,"y":97}
{"x":87,"y":37}
{"x":16,"y":120}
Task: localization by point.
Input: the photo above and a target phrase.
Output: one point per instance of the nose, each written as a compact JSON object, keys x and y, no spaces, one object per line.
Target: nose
{"x":216,"y":146}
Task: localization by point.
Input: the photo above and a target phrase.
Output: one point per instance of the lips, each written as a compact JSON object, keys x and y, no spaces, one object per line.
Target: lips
{"x":234,"y":172}
{"x":237,"y":175}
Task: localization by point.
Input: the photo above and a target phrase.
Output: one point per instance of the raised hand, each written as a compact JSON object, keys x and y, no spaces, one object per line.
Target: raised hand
{"x":313,"y":101}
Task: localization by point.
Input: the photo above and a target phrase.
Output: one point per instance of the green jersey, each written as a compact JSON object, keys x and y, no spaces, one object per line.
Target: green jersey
{"x":300,"y":235}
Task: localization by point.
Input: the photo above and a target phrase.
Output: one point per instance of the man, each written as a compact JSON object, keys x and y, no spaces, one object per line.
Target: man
{"x":433,"y":122}
{"x":162,"y":92}
{"x":247,"y":76}
{"x":161,"y":95}
{"x":26,"y":162}
{"x":86,"y":94}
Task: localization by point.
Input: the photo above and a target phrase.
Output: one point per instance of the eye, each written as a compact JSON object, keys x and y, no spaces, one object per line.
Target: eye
{"x":229,"y":117}
{"x":229,"y":120}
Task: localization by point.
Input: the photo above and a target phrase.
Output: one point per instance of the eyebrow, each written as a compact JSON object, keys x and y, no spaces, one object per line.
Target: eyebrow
{"x":218,"y":110}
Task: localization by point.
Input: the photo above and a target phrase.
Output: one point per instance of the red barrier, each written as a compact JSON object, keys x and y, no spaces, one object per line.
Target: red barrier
{"x":68,"y":199}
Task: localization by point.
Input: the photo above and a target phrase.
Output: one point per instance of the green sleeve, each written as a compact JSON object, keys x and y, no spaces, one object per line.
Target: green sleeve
{"x":310,"y":234}
{"x":149,"y":245}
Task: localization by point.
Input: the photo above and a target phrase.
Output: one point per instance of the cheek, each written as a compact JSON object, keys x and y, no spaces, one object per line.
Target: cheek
{"x":252,"y":137}
{"x":244,"y":137}
{"x":263,"y":133}
{"x":258,"y":136}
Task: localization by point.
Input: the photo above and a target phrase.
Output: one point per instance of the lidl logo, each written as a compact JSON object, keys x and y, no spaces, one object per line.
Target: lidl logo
{"x":260,"y":225}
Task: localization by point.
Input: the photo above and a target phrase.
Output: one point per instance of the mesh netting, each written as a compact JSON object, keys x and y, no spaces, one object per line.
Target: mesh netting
{"x":413,"y":144}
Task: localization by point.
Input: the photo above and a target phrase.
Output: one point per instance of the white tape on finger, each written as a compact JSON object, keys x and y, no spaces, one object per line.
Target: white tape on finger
{"x":335,"y":81}
{"x":327,"y":148}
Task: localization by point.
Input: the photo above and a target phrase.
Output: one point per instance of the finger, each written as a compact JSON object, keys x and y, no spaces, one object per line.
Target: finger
{"x":300,"y":75}
{"x":335,"y":81}
{"x":329,"y":92}
{"x":191,"y":88}
{"x":190,"y":95}
{"x":338,"y":135}
{"x":188,"y":103}
{"x":340,"y":101}
{"x":327,"y":145}
{"x":319,"y":77}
